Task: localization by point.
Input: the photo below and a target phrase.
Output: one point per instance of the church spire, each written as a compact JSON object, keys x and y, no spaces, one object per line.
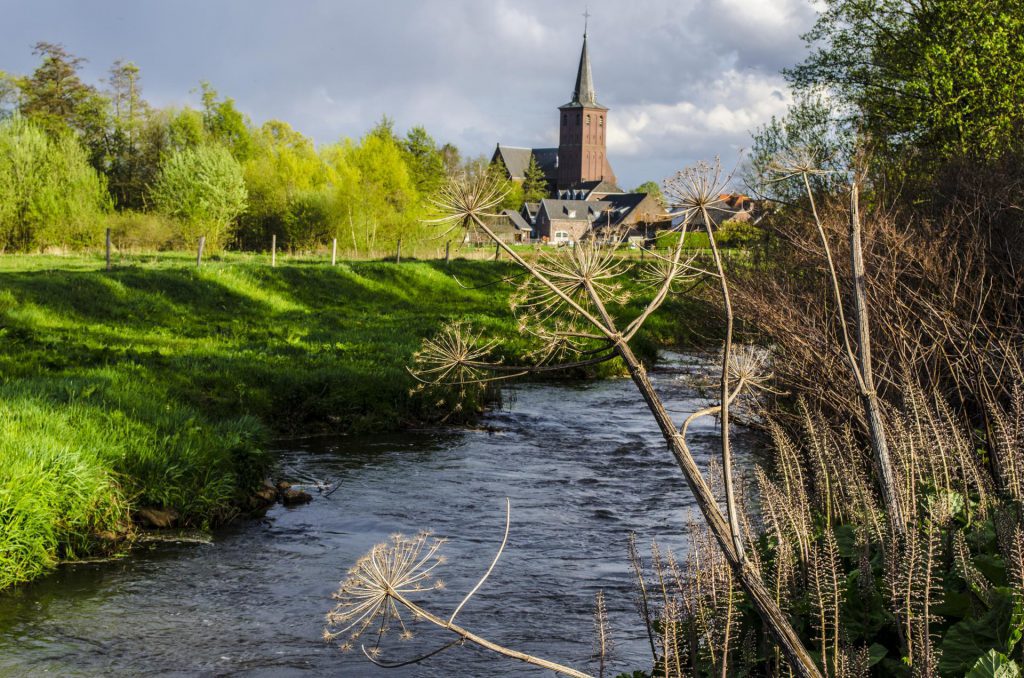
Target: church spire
{"x":584,"y":93}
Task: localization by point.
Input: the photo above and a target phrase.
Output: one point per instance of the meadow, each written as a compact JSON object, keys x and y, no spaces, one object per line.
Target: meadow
{"x":158,"y":384}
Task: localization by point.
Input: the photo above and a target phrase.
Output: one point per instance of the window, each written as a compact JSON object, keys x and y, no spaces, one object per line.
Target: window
{"x":600,"y":121}
{"x":588,"y":120}
{"x":565,"y":119}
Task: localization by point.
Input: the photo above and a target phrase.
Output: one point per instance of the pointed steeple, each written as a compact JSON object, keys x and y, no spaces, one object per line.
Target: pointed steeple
{"x":584,"y":94}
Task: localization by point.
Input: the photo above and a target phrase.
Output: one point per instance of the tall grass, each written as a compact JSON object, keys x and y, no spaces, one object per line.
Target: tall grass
{"x":156,"y":385}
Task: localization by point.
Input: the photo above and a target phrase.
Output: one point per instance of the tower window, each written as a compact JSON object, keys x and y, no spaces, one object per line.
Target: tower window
{"x":588,"y":121}
{"x":600,"y":121}
{"x":565,"y":119}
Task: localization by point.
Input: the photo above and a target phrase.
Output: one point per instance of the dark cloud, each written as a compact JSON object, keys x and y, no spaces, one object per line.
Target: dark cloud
{"x":684,"y":80}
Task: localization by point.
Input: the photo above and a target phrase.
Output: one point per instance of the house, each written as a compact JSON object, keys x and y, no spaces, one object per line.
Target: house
{"x":508,"y":227}
{"x":615,"y":217}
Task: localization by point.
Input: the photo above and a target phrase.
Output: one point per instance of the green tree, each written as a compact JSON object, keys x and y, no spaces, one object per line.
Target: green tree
{"x":651,"y":188}
{"x":535,"y":184}
{"x":425,"y":161}
{"x":225,"y":124}
{"x":125,"y":157}
{"x":204,"y":190}
{"x":284,"y":168}
{"x":49,"y":194}
{"x":58,"y":101}
{"x":942,"y":77}
{"x":10,"y":94}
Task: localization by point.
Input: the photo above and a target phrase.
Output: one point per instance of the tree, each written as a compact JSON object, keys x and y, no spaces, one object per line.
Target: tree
{"x":651,"y":188}
{"x":284,"y":168}
{"x":939,"y":77}
{"x":203,"y":189}
{"x":425,"y":160}
{"x":58,"y":101}
{"x":535,"y":184}
{"x":49,"y":194}
{"x":129,"y":112}
{"x":10,"y":94}
{"x":225,"y":124}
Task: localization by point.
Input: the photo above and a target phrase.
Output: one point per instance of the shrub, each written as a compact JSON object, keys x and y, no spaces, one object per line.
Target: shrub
{"x":740,"y":234}
{"x":203,"y":189}
{"x":131,"y":230}
{"x":49,"y":194}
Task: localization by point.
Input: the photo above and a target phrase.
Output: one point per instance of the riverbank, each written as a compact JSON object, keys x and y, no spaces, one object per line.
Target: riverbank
{"x":158,"y":385}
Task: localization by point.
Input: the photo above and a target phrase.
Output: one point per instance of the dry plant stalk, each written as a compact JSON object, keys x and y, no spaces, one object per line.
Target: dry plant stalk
{"x":860,"y":364}
{"x":377,"y":591}
{"x":567,"y":300}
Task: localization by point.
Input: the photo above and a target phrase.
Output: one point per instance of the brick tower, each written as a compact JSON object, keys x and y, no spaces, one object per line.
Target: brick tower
{"x":582,"y":131}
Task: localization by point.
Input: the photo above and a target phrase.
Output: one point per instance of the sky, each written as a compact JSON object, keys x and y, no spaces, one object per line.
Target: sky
{"x":685,"y":80}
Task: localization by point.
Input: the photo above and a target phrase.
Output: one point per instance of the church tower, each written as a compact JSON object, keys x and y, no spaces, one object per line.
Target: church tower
{"x":582,"y":130}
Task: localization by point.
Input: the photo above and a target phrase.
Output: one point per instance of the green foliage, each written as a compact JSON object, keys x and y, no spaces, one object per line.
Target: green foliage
{"x":49,"y":195}
{"x":225,"y":124}
{"x":203,"y":189}
{"x":59,"y":102}
{"x":651,"y":188}
{"x":941,"y":77}
{"x":999,"y":628}
{"x":535,"y":185}
{"x":738,"y":234}
{"x":425,"y":161}
{"x":994,"y":665}
{"x":147,"y":231}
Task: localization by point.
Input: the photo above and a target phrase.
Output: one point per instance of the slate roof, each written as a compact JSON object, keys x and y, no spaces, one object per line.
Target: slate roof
{"x":517,"y":159}
{"x":584,"y":94}
{"x":517,"y":220}
{"x":573,"y":210}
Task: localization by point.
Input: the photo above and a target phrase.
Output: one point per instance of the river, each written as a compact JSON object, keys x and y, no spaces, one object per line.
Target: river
{"x":582,"y":465}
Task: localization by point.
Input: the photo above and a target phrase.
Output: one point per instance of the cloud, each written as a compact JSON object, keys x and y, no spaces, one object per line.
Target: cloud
{"x":684,"y":79}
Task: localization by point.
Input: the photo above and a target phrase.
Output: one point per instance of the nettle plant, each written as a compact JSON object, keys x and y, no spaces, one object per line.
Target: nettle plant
{"x":572,"y":301}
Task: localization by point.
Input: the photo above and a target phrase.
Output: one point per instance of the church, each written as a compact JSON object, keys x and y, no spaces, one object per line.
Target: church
{"x":584,"y":195}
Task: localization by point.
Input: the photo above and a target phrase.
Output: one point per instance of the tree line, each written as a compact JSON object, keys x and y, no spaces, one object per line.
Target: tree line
{"x":76,"y":158}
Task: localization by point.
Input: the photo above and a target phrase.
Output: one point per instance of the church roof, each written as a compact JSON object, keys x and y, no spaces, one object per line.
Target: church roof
{"x":584,"y":95}
{"x":517,"y":159}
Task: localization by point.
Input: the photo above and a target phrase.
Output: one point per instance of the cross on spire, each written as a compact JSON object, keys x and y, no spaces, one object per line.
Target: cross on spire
{"x":586,"y":20}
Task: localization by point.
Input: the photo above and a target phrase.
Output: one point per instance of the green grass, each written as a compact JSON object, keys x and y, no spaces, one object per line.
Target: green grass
{"x":157,"y":384}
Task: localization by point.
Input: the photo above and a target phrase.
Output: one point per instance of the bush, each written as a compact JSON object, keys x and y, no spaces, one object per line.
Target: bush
{"x":49,"y":194}
{"x":203,"y":189}
{"x":143,"y":231}
{"x":739,"y":234}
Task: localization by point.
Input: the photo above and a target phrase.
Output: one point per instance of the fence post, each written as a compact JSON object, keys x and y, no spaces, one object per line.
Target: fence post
{"x":334,"y":252}
{"x":497,"y":252}
{"x":273,"y":250}
{"x":199,"y":254}
{"x":108,"y":249}
{"x":398,"y":252}
{"x":447,"y":252}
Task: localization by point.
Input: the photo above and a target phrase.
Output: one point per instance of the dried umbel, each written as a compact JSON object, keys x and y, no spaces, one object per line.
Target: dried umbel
{"x":377,"y":592}
{"x":366,"y":599}
{"x":466,"y":200}
{"x":455,"y":356}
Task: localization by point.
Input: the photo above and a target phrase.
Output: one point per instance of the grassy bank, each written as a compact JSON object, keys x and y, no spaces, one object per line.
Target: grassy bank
{"x":155,"y":385}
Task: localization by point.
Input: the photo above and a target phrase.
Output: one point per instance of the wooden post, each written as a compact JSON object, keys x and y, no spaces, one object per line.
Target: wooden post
{"x":398,"y":252}
{"x":334,"y":252}
{"x":497,"y":251}
{"x":447,"y":252}
{"x":108,"y":249}
{"x":273,"y":250}
{"x":199,"y":254}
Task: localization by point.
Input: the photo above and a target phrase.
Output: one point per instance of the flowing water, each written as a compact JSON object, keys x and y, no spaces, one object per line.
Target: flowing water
{"x":582,"y":465}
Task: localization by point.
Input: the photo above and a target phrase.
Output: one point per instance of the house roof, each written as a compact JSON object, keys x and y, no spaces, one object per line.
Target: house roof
{"x":517,"y":220}
{"x":599,"y":186}
{"x":573,"y":210}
